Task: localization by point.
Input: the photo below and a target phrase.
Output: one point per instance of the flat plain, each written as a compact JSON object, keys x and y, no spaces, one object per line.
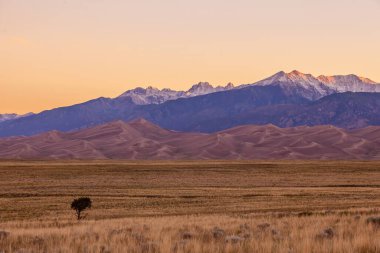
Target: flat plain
{"x":269,"y":206}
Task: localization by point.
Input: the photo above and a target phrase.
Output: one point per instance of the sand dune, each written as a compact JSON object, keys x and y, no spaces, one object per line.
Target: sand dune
{"x":141,"y":139}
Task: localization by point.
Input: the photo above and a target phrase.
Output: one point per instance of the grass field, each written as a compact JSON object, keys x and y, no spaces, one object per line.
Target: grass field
{"x":175,"y":207}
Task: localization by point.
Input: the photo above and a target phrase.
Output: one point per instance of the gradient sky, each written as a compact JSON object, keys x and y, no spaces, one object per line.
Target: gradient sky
{"x":60,"y":52}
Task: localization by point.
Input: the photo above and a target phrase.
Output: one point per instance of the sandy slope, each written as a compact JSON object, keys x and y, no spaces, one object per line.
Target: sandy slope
{"x":140,"y":139}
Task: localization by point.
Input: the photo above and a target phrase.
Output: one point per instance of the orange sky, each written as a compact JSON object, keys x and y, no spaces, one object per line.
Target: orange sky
{"x":60,"y":52}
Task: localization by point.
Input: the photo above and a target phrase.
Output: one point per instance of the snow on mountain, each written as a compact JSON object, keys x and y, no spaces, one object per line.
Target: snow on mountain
{"x":351,"y":83}
{"x":293,"y":83}
{"x":11,"y":116}
{"x":200,"y":89}
{"x":298,"y":83}
{"x":313,"y":88}
{"x":151,"y":95}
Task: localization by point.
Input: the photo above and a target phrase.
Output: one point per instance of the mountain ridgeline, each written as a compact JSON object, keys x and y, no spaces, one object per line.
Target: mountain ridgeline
{"x":284,"y":100}
{"x":12,"y":116}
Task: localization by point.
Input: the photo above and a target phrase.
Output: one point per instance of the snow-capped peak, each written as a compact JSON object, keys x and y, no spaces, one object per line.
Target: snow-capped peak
{"x":298,"y":83}
{"x":351,"y":83}
{"x":347,"y":79}
{"x":152,"y":95}
{"x":313,"y":88}
{"x":366,"y":80}
{"x":293,"y":77}
{"x":200,"y":89}
{"x":297,"y":76}
{"x":229,"y":86}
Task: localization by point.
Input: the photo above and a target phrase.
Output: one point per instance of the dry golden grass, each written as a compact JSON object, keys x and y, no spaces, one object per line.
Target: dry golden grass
{"x":349,"y":233}
{"x":174,"y":207}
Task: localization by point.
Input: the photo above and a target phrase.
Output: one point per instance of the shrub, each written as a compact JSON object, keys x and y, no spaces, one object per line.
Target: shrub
{"x":80,"y":205}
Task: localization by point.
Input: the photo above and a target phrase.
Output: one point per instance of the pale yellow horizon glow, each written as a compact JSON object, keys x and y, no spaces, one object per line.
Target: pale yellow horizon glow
{"x":61,"y":52}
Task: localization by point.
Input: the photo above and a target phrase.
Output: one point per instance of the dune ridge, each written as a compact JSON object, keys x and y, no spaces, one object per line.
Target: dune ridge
{"x":142,"y":140}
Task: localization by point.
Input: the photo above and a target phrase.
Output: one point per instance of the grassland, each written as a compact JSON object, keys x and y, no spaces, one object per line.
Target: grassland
{"x":175,"y":207}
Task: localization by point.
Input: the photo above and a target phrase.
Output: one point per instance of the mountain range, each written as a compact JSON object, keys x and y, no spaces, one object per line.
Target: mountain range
{"x":284,"y":99}
{"x":140,"y":139}
{"x":314,"y":88}
{"x":305,"y":85}
{"x":151,"y":95}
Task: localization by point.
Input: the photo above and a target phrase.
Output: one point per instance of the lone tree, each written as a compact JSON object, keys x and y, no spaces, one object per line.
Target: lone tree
{"x":80,"y":205}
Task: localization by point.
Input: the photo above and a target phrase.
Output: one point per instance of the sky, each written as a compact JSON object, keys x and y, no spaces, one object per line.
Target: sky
{"x":60,"y":52}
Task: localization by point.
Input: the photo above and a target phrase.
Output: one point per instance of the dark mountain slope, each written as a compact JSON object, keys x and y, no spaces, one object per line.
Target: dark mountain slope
{"x":257,"y":105}
{"x":217,"y":111}
{"x":346,"y":110}
{"x":182,"y":114}
{"x":91,"y":113}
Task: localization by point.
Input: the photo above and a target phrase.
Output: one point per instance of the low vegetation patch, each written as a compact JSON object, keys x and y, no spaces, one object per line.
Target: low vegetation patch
{"x":185,"y":234}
